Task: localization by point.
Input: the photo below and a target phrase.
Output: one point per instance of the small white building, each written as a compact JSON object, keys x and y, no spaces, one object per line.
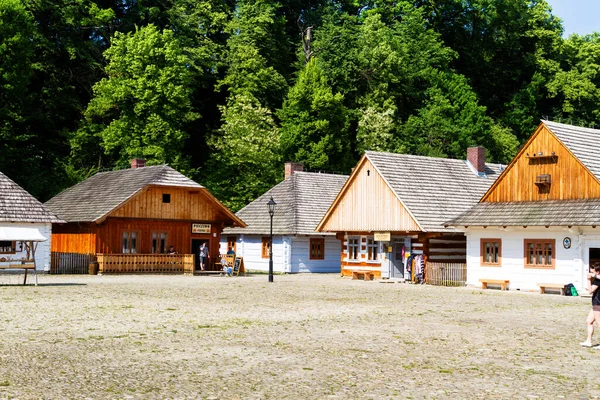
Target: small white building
{"x":540,"y":221}
{"x":302,"y":199}
{"x":23,"y":219}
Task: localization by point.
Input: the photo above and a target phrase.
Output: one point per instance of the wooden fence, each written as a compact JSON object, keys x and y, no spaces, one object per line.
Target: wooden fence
{"x":146,"y":264}
{"x":70,"y":263}
{"x":446,"y":274}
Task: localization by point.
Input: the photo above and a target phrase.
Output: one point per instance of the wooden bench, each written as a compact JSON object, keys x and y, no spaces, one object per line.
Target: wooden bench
{"x":559,"y":286}
{"x":26,"y":265}
{"x":367,"y":275}
{"x":502,"y":282}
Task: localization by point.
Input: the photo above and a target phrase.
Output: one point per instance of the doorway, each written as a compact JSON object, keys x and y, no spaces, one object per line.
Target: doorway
{"x":397,"y":270}
{"x":196,"y":243}
{"x":594,"y":257}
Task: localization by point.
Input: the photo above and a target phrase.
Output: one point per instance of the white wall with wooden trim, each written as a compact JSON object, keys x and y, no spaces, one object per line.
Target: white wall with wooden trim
{"x":368,"y":204}
{"x":42,"y":253}
{"x":568,"y":268}
{"x":291,"y":254}
{"x":300,"y":255}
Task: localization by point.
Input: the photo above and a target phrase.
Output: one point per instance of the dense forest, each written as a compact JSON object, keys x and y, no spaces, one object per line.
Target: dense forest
{"x":225,"y":91}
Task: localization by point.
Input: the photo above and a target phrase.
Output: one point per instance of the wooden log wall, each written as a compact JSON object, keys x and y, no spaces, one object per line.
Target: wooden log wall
{"x":569,"y":178}
{"x":179,"y":235}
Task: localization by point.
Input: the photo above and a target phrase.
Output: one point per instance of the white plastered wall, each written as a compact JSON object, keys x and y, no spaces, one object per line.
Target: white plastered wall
{"x":569,"y":263}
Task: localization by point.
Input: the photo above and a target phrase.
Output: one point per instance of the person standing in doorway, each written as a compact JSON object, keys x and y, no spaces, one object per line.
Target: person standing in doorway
{"x":594,"y":315}
{"x":204,"y":257}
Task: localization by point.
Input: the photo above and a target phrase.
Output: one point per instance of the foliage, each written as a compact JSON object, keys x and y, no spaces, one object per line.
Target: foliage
{"x":141,"y":109}
{"x":245,"y":161}
{"x":88,"y":84}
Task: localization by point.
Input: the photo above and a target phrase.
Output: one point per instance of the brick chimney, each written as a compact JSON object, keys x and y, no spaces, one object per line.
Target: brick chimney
{"x":138,"y":163}
{"x":476,"y":157}
{"x":292,"y":167}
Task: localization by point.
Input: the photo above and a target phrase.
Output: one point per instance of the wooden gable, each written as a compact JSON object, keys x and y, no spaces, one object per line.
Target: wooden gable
{"x":544,"y":169}
{"x":173,"y":203}
{"x":366,"y":203}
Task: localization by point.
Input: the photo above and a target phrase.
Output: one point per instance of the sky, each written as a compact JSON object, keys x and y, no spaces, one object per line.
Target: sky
{"x":579,"y":16}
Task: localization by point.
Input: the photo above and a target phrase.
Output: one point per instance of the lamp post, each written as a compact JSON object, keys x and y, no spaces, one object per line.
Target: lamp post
{"x":271,"y":204}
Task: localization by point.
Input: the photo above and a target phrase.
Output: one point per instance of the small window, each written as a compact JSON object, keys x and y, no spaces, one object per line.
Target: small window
{"x":159,"y":242}
{"x":317,"y":249}
{"x":7,"y":247}
{"x":166,"y":198}
{"x":491,"y":252}
{"x":353,"y":244}
{"x":266,"y":244}
{"x":539,"y":253}
{"x":129,"y":242}
{"x":372,"y":247}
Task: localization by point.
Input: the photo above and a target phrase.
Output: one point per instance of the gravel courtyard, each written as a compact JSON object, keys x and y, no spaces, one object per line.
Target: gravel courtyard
{"x":302,"y":337}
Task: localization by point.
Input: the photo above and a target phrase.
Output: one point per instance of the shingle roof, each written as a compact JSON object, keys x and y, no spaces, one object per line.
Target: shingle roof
{"x":532,"y":213}
{"x":98,"y":195}
{"x":302,"y":200}
{"x":584,"y":143}
{"x":433,"y":189}
{"x":16,"y":205}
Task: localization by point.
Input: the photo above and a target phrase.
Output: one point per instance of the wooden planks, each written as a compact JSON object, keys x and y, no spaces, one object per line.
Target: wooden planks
{"x":355,"y":208}
{"x":146,"y":263}
{"x":570,"y":180}
{"x":184,"y":204}
{"x":502,"y":282}
{"x":558,"y":286}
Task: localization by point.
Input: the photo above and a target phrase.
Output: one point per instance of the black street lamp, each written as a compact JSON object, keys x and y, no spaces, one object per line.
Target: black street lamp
{"x":271,"y":204}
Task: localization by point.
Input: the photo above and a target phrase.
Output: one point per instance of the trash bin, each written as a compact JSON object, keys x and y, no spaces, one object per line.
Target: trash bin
{"x":93,"y":268}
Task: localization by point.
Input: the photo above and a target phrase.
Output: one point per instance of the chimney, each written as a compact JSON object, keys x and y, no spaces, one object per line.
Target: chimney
{"x":292,"y":167}
{"x":138,"y":163}
{"x":476,"y":157}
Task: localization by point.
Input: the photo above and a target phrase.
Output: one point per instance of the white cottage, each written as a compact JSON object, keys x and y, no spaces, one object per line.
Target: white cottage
{"x":540,"y":221}
{"x":23,"y":220}
{"x":302,"y":199}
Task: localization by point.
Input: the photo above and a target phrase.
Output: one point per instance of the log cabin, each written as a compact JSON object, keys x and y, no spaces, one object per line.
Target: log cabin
{"x":540,"y":221}
{"x":302,"y":199}
{"x":139,"y":211}
{"x":389,"y":215}
{"x":25,"y":227}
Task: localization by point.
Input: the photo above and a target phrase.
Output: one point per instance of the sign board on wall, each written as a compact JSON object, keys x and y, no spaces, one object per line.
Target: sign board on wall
{"x":382,"y":236}
{"x":200,"y":228}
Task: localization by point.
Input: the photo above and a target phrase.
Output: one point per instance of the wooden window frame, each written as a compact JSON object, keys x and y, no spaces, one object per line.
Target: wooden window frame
{"x":265,"y":247}
{"x":13,"y":246}
{"x":535,"y":242}
{"x":319,"y":245}
{"x":166,"y":241}
{"x":372,"y":249}
{"x":355,"y":246}
{"x":166,"y":198}
{"x":482,"y":252}
{"x":137,"y":241}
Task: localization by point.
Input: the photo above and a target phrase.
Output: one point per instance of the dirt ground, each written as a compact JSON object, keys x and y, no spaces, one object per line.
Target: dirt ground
{"x":302,"y":337}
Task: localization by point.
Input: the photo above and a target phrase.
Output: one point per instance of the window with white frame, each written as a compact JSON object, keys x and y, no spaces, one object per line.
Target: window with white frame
{"x":353,"y":247}
{"x":159,"y":242}
{"x":372,"y":247}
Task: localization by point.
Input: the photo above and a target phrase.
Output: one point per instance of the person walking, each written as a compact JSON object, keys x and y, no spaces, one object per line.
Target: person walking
{"x":204,"y":257}
{"x":594,"y":315}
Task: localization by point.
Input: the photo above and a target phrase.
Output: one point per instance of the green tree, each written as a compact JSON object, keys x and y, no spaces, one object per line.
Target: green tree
{"x":314,"y":123}
{"x":245,"y":161}
{"x":143,"y":106}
